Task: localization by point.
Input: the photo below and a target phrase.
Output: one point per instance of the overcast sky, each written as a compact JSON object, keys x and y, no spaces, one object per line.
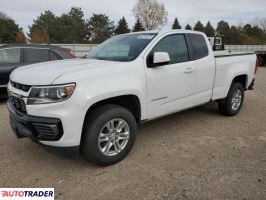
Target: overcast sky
{"x":187,"y":11}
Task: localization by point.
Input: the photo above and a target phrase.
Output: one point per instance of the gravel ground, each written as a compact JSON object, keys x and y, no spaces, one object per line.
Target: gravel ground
{"x":195,"y":154}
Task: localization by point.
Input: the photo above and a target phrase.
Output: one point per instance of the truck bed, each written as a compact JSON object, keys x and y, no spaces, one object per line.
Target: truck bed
{"x":231,"y":64}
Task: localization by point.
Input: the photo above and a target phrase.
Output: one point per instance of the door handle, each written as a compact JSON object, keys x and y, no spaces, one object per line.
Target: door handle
{"x":189,"y":70}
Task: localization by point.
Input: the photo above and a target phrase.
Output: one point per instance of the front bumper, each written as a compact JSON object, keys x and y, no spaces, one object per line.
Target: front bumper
{"x":35,"y":128}
{"x":40,"y":128}
{"x":65,"y":119}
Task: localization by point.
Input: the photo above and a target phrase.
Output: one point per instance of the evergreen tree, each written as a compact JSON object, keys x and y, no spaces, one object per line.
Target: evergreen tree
{"x":209,"y":30}
{"x":254,"y":31}
{"x":188,"y":27}
{"x":68,"y":28}
{"x":138,"y":26}
{"x":122,"y":27}
{"x":73,"y":27}
{"x":8,"y":29}
{"x":46,"y":21}
{"x":100,"y":28}
{"x":199,"y":27}
{"x":223,"y":29}
{"x":176,"y":24}
{"x":236,"y":36}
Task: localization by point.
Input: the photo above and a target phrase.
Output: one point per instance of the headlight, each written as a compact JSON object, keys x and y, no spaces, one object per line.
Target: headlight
{"x":50,"y":94}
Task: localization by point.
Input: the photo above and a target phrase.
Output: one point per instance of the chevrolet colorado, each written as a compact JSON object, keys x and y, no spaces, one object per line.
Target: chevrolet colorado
{"x":94,"y":104}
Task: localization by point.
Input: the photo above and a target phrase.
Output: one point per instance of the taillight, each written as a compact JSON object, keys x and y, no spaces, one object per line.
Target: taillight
{"x":68,"y":53}
{"x":256,"y":66}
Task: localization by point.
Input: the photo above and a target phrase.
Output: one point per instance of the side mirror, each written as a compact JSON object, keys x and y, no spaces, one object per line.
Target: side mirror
{"x":161,"y":58}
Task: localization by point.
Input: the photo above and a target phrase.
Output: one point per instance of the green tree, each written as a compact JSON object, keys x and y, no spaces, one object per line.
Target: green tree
{"x":122,"y":27}
{"x":138,"y":26}
{"x":151,"y":13}
{"x":176,"y":24}
{"x":254,"y":31}
{"x":199,"y":27}
{"x":67,"y":28}
{"x":254,"y":34}
{"x":79,"y":26}
{"x":100,"y":28}
{"x":209,"y":30}
{"x":188,"y":27}
{"x":49,"y":22}
{"x":72,"y":27}
{"x":237,"y":36}
{"x":8,"y":29}
{"x":224,"y":30}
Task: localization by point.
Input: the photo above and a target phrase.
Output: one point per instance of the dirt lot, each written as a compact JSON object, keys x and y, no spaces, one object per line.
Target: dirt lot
{"x":195,"y":154}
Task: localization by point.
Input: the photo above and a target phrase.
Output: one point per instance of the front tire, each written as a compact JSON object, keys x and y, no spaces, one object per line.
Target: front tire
{"x":109,"y":134}
{"x":232,"y":104}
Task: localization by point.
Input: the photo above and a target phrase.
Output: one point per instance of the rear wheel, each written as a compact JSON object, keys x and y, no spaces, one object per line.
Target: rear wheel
{"x":109,"y":134}
{"x":232,"y":104}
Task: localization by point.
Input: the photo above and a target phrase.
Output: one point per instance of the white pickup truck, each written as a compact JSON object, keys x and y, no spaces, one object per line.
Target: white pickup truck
{"x":95,"y":103}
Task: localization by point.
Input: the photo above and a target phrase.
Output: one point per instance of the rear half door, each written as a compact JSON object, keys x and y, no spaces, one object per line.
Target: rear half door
{"x":205,"y":72}
{"x":10,"y":58}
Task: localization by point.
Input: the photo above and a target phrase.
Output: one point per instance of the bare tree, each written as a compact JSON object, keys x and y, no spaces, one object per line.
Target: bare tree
{"x":261,"y":22}
{"x":150,"y":13}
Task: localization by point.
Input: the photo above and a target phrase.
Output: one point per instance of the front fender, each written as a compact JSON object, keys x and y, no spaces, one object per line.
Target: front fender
{"x":90,"y":102}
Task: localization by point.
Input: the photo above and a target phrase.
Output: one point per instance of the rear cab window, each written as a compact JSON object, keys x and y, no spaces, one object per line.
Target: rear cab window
{"x":199,"y":46}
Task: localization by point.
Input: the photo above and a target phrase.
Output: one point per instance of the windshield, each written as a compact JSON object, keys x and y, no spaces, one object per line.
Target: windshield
{"x":122,"y":48}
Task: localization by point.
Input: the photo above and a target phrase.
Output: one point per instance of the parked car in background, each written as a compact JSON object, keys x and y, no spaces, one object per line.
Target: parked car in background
{"x":13,"y":56}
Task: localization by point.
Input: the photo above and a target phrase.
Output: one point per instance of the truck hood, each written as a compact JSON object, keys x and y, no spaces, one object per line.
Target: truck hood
{"x":46,"y":73}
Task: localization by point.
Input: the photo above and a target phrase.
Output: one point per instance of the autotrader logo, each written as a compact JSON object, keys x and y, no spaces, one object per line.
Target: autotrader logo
{"x":27,"y":193}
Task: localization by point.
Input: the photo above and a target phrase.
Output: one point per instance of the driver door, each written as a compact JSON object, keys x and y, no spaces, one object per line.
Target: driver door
{"x":170,"y":86}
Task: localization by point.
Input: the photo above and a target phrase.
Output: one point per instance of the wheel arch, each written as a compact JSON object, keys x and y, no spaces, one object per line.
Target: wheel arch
{"x":242,"y":79}
{"x":129,"y":101}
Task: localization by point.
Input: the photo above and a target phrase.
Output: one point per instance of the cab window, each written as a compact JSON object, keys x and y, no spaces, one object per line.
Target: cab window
{"x":199,"y":46}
